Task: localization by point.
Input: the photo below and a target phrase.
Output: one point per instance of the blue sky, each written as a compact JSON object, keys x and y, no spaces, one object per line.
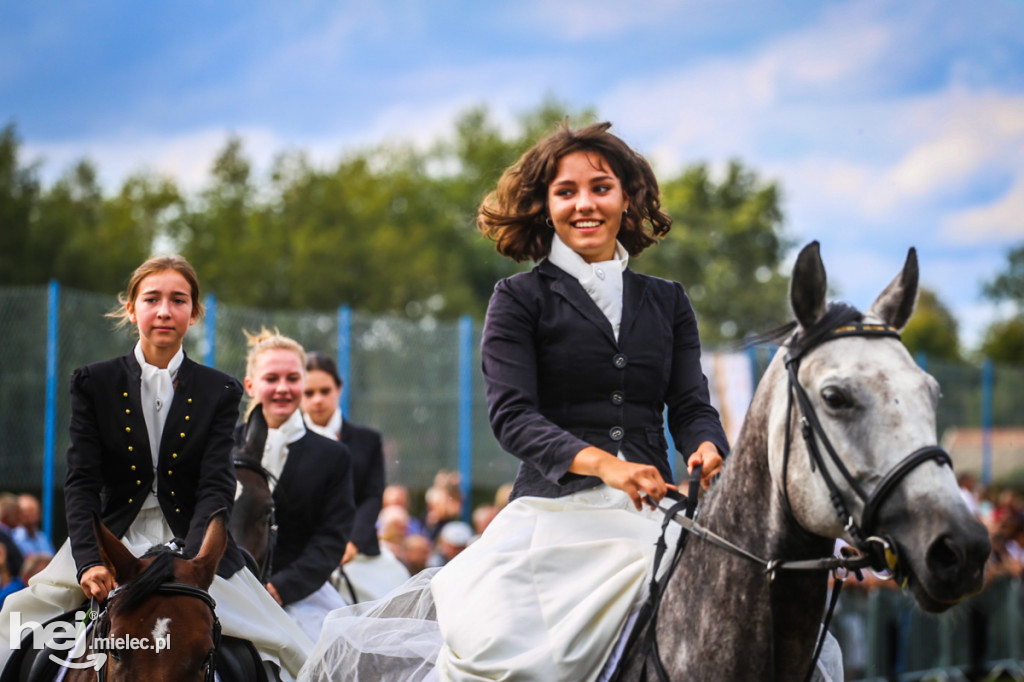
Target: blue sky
{"x":887,"y":123}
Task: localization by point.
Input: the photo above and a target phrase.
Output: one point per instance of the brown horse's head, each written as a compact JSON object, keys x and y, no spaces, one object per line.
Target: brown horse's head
{"x":160,"y":623}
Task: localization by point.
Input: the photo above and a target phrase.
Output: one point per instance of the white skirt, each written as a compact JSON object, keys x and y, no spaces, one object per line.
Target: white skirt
{"x":244,"y":607}
{"x":370,"y":577}
{"x":309,"y":612}
{"x":546,"y":590}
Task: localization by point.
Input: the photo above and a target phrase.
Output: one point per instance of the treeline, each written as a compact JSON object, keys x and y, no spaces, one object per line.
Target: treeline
{"x":388,"y":229}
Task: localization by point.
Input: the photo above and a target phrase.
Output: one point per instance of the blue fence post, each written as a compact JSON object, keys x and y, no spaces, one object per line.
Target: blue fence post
{"x":344,"y":354}
{"x":921,"y":358}
{"x":210,"y":331}
{"x":50,"y":429}
{"x":987,"y":381}
{"x":466,"y":414}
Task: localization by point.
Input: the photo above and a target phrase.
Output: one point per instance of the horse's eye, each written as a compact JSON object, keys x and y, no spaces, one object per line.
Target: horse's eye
{"x":835,"y":398}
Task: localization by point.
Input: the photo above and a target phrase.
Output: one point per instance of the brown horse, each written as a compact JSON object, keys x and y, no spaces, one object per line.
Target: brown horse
{"x":159,"y":624}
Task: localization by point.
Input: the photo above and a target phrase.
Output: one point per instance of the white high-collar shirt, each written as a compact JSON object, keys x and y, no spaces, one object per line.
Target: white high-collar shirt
{"x":275,"y":452}
{"x":156,"y":393}
{"x":601,"y":280}
{"x":332,"y":429}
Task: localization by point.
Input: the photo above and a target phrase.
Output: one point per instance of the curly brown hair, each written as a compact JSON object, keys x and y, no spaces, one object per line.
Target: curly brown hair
{"x":514,"y":215}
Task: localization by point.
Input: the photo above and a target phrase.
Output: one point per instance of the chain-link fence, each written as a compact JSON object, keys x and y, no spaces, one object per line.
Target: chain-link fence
{"x":402,"y":378}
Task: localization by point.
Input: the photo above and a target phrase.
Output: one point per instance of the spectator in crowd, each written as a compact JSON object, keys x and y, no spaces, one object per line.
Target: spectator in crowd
{"x":453,"y":538}
{"x":417,"y":551}
{"x":398,"y":496}
{"x":444,"y":503}
{"x":30,"y":539}
{"x":482,"y":516}
{"x":9,"y":519}
{"x":33,"y":564}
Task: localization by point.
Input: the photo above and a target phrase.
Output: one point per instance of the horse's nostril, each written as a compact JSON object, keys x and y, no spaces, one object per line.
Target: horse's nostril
{"x":943,"y":558}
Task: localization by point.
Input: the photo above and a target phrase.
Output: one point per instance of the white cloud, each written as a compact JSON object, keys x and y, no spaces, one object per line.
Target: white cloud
{"x":1001,"y":221}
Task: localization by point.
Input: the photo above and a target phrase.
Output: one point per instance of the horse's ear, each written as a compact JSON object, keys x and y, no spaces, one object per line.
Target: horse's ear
{"x":204,"y":566}
{"x":115,"y":555}
{"x":808,"y":286}
{"x":895,"y":305}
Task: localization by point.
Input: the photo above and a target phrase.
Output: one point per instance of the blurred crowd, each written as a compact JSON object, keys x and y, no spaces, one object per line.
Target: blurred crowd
{"x":24,"y":548}
{"x":436,"y":536}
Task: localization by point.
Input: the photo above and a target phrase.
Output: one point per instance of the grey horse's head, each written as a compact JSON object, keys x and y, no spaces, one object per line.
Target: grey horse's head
{"x":875,"y":406}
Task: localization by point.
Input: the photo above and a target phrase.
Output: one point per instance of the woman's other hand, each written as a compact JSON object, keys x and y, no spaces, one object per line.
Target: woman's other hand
{"x":709,"y":458}
{"x":636,"y":480}
{"x":97,"y":582}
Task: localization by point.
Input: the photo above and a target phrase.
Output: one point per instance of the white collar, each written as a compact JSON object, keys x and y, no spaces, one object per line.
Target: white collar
{"x":275,"y":451}
{"x":573,"y":263}
{"x":172,"y":366}
{"x":332,"y":429}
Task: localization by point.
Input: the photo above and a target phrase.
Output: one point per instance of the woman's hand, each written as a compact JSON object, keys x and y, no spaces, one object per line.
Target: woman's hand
{"x":350,"y":553}
{"x":273,"y":593}
{"x":633,"y":479}
{"x":708,"y":456}
{"x":97,"y":582}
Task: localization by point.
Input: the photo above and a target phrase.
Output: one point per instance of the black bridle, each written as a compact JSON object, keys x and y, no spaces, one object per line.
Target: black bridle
{"x":268,"y":557}
{"x":877,"y":553}
{"x":881,"y":550}
{"x":101,"y":627}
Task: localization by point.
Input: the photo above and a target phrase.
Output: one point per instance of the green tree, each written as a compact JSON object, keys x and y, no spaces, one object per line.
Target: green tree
{"x":932,"y":329}
{"x":1004,"y":341}
{"x":19,"y":192}
{"x":726,"y":246}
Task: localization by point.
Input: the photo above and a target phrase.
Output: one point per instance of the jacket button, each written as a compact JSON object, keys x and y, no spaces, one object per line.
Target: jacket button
{"x":127,"y":429}
{"x":169,"y":472}
{"x":133,"y":467}
{"x":129,"y":500}
{"x":130,"y":448}
{"x":618,"y":397}
{"x":616,"y":433}
{"x":174,"y":455}
{"x":125,"y":395}
{"x":138,"y":482}
{"x":619,"y":360}
{"x":186,"y":417}
{"x":127,"y":411}
{"x":182,"y":434}
{"x":172,"y":493}
{"x":177,"y":510}
{"x":190,"y":401}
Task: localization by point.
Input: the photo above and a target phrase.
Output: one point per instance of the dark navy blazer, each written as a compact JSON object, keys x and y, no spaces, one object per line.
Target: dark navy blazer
{"x":110,"y":468}
{"x":314,"y":511}
{"x":364,"y":444}
{"x":558,"y":381}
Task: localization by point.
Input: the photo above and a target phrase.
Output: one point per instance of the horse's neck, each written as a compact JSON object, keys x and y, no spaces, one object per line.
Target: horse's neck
{"x":724,"y":600}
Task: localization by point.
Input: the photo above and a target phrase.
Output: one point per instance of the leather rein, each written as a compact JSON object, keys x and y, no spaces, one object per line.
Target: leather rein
{"x":876,"y":552}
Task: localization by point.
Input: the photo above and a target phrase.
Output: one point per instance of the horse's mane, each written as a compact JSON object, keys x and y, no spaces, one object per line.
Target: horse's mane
{"x":836,"y":315}
{"x":160,"y":571}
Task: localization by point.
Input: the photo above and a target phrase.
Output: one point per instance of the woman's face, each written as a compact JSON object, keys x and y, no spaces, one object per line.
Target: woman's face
{"x":586,"y":203}
{"x":276,"y":384}
{"x":163,"y":311}
{"x":320,"y":398}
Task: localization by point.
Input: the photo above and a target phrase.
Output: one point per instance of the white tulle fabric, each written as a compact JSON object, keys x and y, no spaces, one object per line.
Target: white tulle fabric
{"x":542,"y":595}
{"x":391,"y":639}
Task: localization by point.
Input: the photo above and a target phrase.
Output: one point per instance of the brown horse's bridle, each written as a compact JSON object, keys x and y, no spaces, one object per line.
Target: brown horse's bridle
{"x":102,"y":624}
